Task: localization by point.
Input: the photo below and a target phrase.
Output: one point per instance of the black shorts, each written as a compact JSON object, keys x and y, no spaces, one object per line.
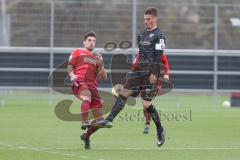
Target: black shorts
{"x":139,"y":82}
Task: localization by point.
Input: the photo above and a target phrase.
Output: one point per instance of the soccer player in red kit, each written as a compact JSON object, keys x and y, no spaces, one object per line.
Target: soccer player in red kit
{"x":165,"y":77}
{"x":84,"y":68}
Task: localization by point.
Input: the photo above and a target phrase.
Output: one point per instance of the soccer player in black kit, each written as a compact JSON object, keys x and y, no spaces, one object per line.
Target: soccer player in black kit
{"x":151,"y":43}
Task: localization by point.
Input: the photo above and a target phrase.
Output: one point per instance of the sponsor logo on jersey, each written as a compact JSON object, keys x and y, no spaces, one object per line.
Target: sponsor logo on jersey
{"x":145,"y":43}
{"x":89,"y":60}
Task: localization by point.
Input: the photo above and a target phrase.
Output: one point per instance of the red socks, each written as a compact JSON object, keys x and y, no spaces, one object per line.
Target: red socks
{"x":147,"y":116}
{"x":90,"y":130}
{"x":85,"y":106}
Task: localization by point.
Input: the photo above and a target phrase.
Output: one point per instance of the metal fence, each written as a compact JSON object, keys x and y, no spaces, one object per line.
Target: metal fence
{"x":61,"y":23}
{"x":191,"y":70}
{"x":202,"y":39}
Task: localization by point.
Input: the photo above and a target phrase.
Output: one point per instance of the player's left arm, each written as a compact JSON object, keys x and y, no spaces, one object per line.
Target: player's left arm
{"x":157,"y":62}
{"x":102,"y":74}
{"x":165,"y":66}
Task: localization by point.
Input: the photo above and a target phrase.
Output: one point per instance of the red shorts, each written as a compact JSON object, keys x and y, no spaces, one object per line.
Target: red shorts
{"x":96,"y":101}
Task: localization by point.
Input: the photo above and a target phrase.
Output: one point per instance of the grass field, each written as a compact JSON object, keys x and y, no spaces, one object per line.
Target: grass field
{"x":29,"y":130}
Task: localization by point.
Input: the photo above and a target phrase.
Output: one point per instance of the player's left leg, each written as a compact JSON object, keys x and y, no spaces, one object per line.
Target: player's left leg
{"x":147,"y":104}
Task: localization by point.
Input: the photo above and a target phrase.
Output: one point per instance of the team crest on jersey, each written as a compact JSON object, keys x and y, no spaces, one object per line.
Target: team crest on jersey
{"x":161,"y":41}
{"x":151,"y":35}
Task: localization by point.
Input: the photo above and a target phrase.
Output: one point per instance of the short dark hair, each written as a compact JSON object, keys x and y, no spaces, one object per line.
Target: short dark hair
{"x":89,"y":34}
{"x":151,"y":11}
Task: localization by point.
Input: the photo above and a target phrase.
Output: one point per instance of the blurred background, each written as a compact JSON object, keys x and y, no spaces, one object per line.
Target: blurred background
{"x":203,"y":49}
{"x":203,"y":43}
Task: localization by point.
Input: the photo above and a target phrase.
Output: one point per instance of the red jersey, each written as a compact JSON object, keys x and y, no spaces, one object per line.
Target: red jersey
{"x":164,"y":61}
{"x":85,"y":65}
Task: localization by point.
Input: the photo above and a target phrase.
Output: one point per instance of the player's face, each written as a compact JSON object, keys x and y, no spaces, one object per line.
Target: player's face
{"x":150,"y":21}
{"x":89,"y":43}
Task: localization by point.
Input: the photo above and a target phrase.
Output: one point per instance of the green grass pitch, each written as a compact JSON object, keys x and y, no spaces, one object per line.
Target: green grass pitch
{"x":29,"y":130}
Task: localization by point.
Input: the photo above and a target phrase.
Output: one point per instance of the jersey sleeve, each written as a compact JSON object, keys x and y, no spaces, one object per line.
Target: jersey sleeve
{"x":73,"y":59}
{"x":138,"y":40}
{"x":165,"y":64}
{"x":158,"y":52}
{"x":135,"y":62}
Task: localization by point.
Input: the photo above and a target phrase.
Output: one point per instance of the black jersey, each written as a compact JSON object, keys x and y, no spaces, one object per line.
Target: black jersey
{"x":151,"y":46}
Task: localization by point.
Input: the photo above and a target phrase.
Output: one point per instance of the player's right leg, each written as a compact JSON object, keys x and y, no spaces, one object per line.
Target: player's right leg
{"x":147,"y":121}
{"x":82,"y":92}
{"x":133,"y":81}
{"x":120,"y":103}
{"x":85,"y":137}
{"x":118,"y":106}
{"x":85,"y":96}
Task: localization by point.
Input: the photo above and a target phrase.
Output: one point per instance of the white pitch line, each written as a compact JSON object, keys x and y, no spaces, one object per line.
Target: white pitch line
{"x":9,"y":146}
{"x":42,"y":150}
{"x":66,"y":148}
{"x":83,"y":157}
{"x":48,"y":150}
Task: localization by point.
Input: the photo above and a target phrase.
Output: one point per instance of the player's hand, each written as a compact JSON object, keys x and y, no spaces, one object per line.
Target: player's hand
{"x":166,"y":77}
{"x":99,"y":58}
{"x":73,"y":77}
{"x":73,"y":80}
{"x":153,"y":79}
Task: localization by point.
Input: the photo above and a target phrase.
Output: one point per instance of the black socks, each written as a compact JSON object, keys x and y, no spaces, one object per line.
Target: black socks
{"x":154,"y":114}
{"x":119,"y":105}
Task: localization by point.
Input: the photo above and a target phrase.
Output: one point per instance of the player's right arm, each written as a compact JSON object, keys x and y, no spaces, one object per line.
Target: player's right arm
{"x":71,"y":65}
{"x":70,"y":71}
